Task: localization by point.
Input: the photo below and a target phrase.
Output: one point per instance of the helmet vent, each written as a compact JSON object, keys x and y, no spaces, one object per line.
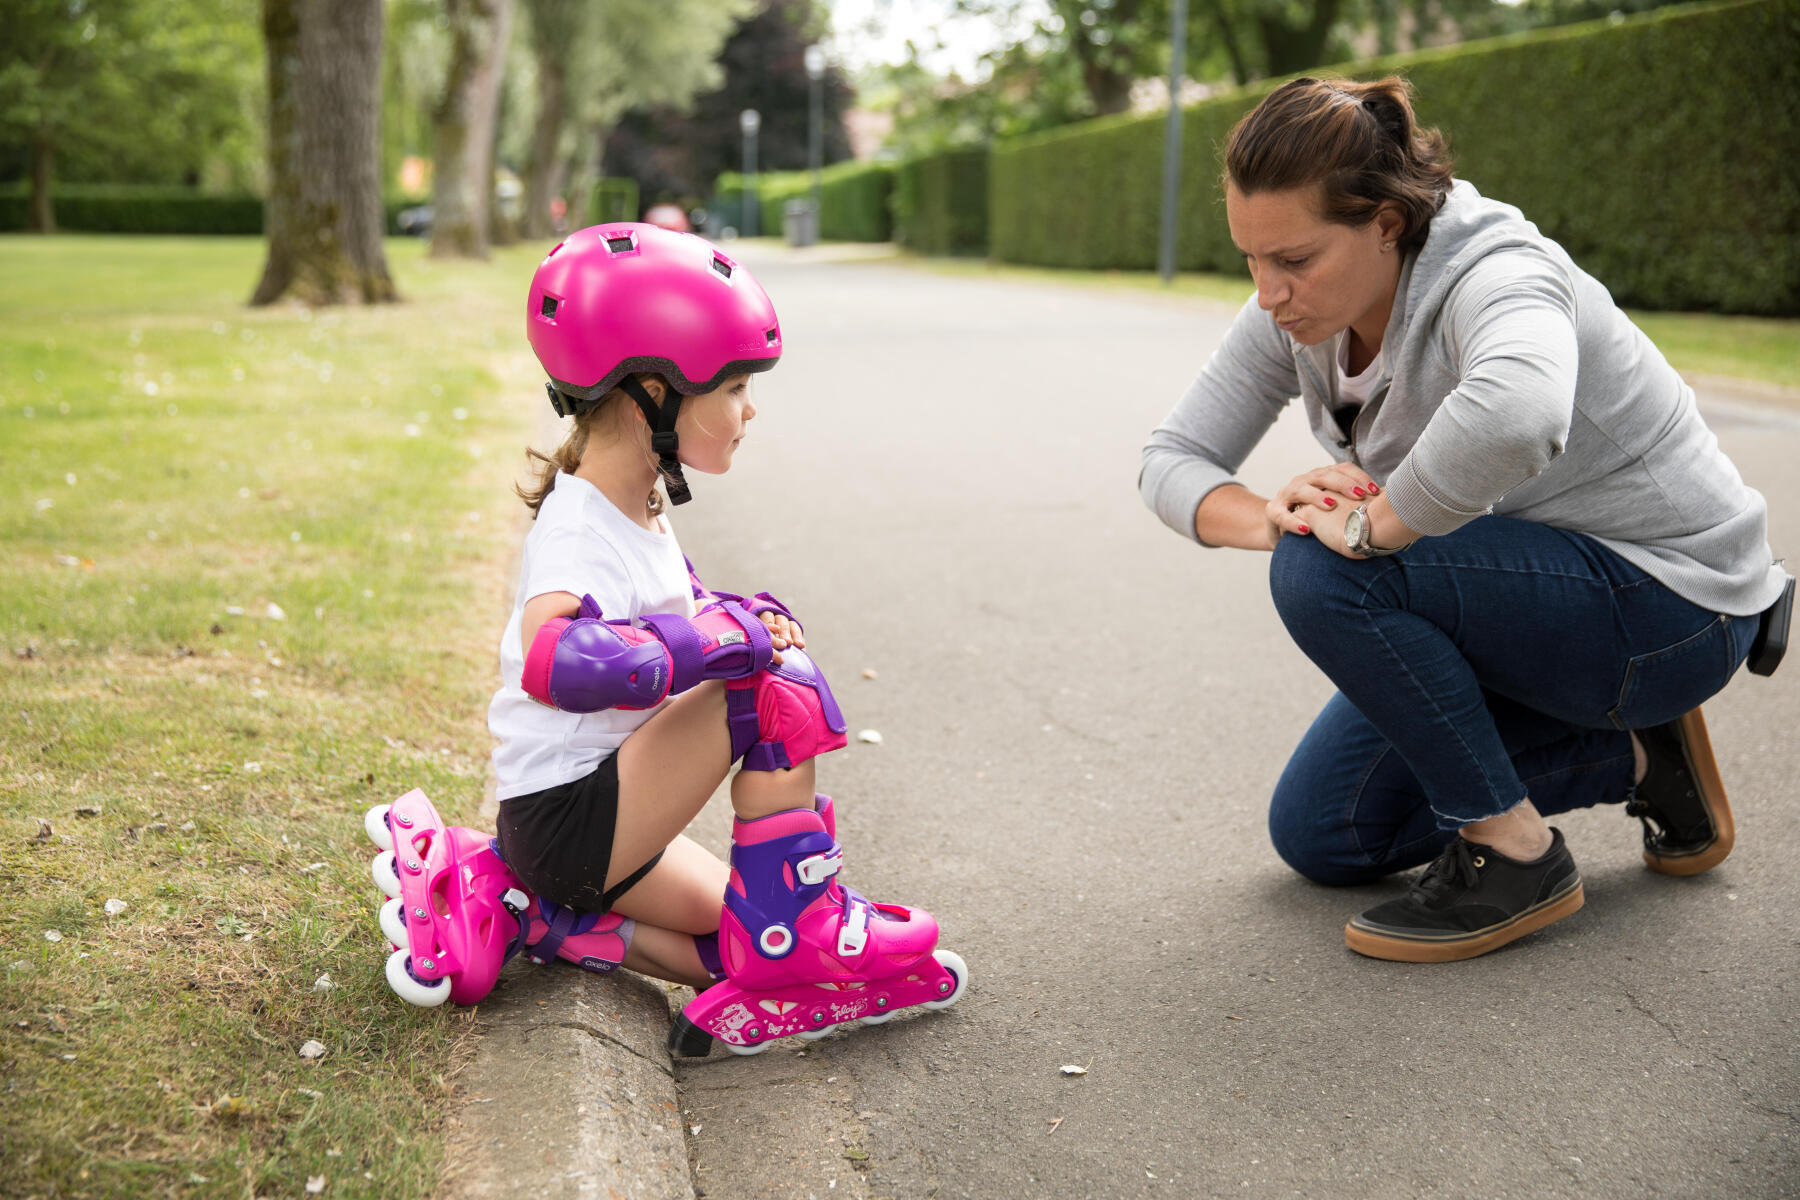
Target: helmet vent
{"x":769,"y":336}
{"x":721,"y":266}
{"x":619,"y":245}
{"x":548,"y":308}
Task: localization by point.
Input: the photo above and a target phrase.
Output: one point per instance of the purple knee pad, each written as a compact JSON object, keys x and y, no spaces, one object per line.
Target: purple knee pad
{"x":586,"y":663}
{"x":782,"y":716}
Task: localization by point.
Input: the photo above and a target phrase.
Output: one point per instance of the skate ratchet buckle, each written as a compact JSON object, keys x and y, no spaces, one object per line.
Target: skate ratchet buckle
{"x":453,"y":907}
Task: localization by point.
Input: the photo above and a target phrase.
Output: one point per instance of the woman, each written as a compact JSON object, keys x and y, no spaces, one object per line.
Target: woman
{"x":1527,"y":567}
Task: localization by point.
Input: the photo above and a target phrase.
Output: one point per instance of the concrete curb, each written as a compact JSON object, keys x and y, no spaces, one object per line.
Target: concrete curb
{"x":570,"y":1094}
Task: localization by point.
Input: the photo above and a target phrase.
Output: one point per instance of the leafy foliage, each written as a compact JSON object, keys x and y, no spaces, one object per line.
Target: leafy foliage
{"x":1592,"y":113}
{"x":676,"y":155}
{"x":138,"y":91}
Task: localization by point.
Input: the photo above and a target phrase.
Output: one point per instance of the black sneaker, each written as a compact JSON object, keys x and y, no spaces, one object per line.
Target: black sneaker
{"x":1681,"y":801}
{"x":1471,"y":900}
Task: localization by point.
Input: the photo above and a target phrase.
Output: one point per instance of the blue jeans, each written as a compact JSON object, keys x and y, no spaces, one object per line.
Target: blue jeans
{"x":1503,"y":661}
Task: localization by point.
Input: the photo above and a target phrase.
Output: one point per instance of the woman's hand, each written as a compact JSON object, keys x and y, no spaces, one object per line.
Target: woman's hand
{"x":1319,"y":499}
{"x":783,"y":632}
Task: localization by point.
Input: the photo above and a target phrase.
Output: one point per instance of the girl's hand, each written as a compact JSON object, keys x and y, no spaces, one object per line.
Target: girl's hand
{"x":1309,"y":500}
{"x":783,"y":632}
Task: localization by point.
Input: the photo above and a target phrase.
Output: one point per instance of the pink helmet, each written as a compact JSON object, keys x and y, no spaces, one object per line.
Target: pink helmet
{"x":613,"y":300}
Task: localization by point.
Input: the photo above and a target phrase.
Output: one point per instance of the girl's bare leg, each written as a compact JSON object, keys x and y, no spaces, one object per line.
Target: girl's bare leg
{"x":667,"y":771}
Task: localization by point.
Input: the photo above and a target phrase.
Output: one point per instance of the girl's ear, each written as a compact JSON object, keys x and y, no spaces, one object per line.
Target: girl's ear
{"x":1390,"y":222}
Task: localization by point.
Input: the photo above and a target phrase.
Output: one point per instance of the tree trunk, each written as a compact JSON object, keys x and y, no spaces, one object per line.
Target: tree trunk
{"x":545,"y":170}
{"x":323,"y":217}
{"x":463,"y":182}
{"x":43,"y":157}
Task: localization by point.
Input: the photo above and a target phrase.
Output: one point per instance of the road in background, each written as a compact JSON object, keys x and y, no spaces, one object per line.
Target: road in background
{"x":1082,"y":716}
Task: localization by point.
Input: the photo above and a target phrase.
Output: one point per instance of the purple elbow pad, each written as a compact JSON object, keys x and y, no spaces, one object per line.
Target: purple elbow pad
{"x":583,"y":665}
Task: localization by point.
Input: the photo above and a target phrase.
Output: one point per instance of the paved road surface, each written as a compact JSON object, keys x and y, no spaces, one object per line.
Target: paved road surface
{"x":1082,"y":716}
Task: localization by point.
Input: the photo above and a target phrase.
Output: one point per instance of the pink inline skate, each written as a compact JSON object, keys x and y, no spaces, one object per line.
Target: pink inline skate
{"x":802,"y":953}
{"x":455,"y":914}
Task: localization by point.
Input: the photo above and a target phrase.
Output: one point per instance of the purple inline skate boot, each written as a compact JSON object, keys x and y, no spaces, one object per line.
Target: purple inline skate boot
{"x":455,"y":914}
{"x":802,"y":953}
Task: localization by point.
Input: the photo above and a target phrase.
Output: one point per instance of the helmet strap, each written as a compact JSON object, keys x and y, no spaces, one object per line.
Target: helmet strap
{"x":662,"y":435}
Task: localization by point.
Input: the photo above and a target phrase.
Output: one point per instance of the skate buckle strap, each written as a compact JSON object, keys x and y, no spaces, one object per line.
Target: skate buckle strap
{"x":816,"y":869}
{"x":853,"y":934}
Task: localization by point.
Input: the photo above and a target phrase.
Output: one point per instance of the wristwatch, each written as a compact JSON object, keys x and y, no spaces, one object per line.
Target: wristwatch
{"x":1356,"y":535}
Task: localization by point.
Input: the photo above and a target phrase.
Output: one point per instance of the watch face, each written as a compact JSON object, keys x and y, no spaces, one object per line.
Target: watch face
{"x":1353,"y":529}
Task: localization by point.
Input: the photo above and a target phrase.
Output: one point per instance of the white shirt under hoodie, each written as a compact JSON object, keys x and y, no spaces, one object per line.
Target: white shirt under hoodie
{"x":583,"y":545}
{"x":1510,"y":383}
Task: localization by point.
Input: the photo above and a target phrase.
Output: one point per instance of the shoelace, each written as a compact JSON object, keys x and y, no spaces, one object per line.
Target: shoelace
{"x":1455,"y":865}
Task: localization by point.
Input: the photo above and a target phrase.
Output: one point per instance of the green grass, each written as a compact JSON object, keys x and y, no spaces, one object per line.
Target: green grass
{"x":1759,"y":349}
{"x":173,"y":464}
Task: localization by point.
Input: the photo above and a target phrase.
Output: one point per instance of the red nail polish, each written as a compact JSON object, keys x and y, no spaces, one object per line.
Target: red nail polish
{"x":1330,"y":503}
{"x":1357,"y":492}
{"x":1304,"y":529}
{"x":1374,"y":488}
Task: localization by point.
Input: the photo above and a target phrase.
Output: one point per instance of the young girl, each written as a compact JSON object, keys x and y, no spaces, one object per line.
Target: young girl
{"x":630,"y":689}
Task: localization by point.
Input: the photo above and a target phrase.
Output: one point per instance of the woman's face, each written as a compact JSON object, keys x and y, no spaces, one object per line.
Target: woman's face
{"x":1316,"y":277}
{"x":710,"y":426}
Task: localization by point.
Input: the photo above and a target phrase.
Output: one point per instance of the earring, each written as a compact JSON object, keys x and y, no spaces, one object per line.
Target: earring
{"x":1386,"y":246}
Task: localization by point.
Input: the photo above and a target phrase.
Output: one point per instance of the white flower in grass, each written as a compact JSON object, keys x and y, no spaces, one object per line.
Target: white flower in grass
{"x":312,"y":1049}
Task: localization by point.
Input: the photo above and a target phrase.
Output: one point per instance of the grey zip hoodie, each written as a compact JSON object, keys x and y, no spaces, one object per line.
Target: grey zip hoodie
{"x":1513,"y":384}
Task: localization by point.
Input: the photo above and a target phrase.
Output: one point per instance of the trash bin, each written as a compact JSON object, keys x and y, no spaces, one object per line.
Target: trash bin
{"x":800,"y":223}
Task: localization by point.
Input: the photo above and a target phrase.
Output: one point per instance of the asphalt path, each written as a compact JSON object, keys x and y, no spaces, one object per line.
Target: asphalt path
{"x":1081,"y":718}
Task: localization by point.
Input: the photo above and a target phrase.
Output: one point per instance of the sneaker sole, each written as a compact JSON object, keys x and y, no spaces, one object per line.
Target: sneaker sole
{"x":1373,"y":943}
{"x":1707,"y":855}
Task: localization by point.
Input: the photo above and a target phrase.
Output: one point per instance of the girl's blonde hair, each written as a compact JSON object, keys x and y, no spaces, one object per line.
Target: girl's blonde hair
{"x":615,"y":408}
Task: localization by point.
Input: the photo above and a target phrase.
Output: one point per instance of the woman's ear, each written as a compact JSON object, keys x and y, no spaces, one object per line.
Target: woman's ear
{"x":1390,"y":223}
{"x":654,"y":387}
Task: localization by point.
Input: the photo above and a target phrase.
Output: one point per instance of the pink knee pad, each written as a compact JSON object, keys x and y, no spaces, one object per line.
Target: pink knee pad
{"x":783,"y":715}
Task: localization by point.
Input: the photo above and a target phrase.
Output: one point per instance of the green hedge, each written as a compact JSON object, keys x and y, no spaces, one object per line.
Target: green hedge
{"x":126,"y":208}
{"x":1660,"y":151}
{"x":941,"y":202}
{"x":133,"y":208}
{"x":855,"y":198}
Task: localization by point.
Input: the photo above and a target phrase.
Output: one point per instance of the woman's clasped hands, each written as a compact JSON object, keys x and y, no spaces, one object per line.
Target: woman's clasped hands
{"x":1315,"y":503}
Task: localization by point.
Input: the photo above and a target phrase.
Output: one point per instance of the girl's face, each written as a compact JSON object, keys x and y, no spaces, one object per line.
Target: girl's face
{"x":1315,"y":276}
{"x":710,"y":426}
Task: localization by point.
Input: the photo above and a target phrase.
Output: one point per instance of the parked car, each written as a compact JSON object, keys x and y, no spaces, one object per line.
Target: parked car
{"x":415,"y":221}
{"x":668,"y":216}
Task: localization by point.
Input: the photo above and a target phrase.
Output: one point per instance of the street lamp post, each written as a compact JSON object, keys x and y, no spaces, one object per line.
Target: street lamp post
{"x":749,"y":121}
{"x":815,"y":130}
{"x":1171,"y":190}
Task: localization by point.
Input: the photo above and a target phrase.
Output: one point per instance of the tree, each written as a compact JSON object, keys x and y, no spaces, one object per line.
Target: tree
{"x":598,"y":60}
{"x":676,"y":154}
{"x":323,"y":216}
{"x":464,"y":127}
{"x":126,"y":90}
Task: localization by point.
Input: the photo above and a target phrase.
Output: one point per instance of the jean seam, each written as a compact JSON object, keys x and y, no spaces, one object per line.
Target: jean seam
{"x":1356,"y":794}
{"x":1430,"y":703}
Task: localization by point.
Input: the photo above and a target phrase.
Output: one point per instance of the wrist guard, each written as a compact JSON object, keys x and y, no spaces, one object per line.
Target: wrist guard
{"x":586,"y":663}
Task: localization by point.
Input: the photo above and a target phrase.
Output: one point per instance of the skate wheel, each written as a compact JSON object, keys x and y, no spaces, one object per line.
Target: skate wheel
{"x":880,"y":1018}
{"x":952,"y":962}
{"x":747,"y":1051}
{"x":416,"y":992}
{"x":375,"y":824}
{"x":393,"y":923}
{"x":386,"y":877}
{"x":813,"y":1035}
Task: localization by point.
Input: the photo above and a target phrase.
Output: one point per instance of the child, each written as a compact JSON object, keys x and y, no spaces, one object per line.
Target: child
{"x":629,"y":691}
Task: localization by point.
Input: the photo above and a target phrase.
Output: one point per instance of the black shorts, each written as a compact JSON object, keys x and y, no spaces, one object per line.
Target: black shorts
{"x":559,"y":841}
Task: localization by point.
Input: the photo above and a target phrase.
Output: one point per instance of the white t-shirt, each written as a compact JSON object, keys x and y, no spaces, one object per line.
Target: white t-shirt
{"x":583,"y":545}
{"x":1354,"y":390}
